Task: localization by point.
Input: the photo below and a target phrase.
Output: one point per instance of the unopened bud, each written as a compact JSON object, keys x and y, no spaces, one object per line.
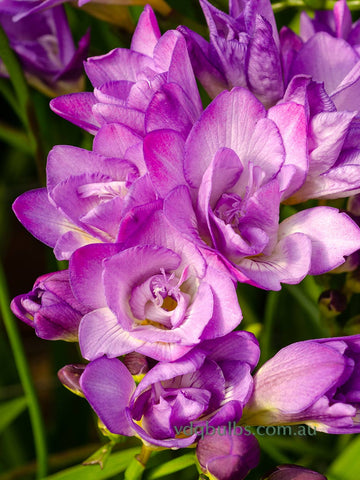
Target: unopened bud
{"x":70,"y":375}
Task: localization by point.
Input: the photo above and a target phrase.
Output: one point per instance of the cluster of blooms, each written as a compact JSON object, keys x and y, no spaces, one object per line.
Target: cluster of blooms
{"x":176,"y":204}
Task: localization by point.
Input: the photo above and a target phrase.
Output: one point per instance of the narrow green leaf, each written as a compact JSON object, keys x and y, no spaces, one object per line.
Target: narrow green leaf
{"x":172,"y":466}
{"x":347,"y":464}
{"x":116,"y":463}
{"x":9,"y":411}
{"x":15,"y":72}
{"x":25,"y":377}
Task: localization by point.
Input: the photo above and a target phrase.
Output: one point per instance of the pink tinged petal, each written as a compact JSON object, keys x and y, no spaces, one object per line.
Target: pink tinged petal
{"x":171,"y":108}
{"x":101,"y":334}
{"x":147,"y":33}
{"x":289,"y":263}
{"x":163,"y":352}
{"x":290,"y":46}
{"x":163,"y":153}
{"x":72,"y":240}
{"x":179,"y":211}
{"x":217,"y":128}
{"x":339,"y":182}
{"x":77,"y":109}
{"x":327,"y":134}
{"x":262,"y":7}
{"x":222,"y":174}
{"x":291,"y":121}
{"x":343,"y":20}
{"x":333,"y":235}
{"x":119,"y":281}
{"x":310,"y":94}
{"x":345,"y":97}
{"x":108,"y":386}
{"x":113,"y":140}
{"x":86,"y":269}
{"x":226,"y":314}
{"x":105,"y":218}
{"x":209,"y":76}
{"x":46,"y":222}
{"x":266,"y":143}
{"x":132,"y":118}
{"x":65,"y":161}
{"x":131,"y":228}
{"x":326,"y":59}
{"x":115,"y":92}
{"x":296,"y":377}
{"x":187,"y":365}
{"x":264,"y":73}
{"x":171,"y":55}
{"x":119,"y":64}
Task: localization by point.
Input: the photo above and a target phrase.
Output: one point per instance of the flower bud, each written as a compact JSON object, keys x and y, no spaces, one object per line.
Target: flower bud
{"x":51,"y":308}
{"x":70,"y":375}
{"x":227,"y":457}
{"x":293,"y":472}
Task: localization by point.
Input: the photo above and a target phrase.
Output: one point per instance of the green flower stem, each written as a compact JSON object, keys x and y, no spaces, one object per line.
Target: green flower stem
{"x":25,"y":378}
{"x":25,"y":108}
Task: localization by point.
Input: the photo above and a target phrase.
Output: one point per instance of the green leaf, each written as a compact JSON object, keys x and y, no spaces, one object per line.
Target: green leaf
{"x":25,"y":377}
{"x":347,"y":465}
{"x":116,"y":463}
{"x":172,"y":466}
{"x":9,"y":411}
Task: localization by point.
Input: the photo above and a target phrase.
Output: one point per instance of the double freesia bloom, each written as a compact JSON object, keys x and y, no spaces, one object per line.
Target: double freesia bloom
{"x":175,"y":205}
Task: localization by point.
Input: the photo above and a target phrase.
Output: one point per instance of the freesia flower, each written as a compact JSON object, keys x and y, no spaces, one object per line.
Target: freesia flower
{"x":153,"y":78}
{"x":45,"y":47}
{"x":227,"y":456}
{"x":315,"y":382}
{"x":171,"y":301}
{"x":243,"y":50}
{"x":327,"y":54}
{"x":51,"y":308}
{"x":88,"y":194}
{"x":238,"y":165}
{"x":332,"y":144}
{"x":207,"y":387}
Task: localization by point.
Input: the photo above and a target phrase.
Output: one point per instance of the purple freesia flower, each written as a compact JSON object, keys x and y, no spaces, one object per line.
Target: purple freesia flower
{"x":45,"y":47}
{"x":238,"y":164}
{"x":171,"y":301}
{"x":327,"y":54}
{"x":89,"y":193}
{"x":293,"y":472}
{"x":51,"y":308}
{"x":207,"y":387}
{"x":332,"y":144}
{"x":227,"y":456}
{"x":148,"y":86}
{"x":243,"y":50}
{"x":315,"y":382}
